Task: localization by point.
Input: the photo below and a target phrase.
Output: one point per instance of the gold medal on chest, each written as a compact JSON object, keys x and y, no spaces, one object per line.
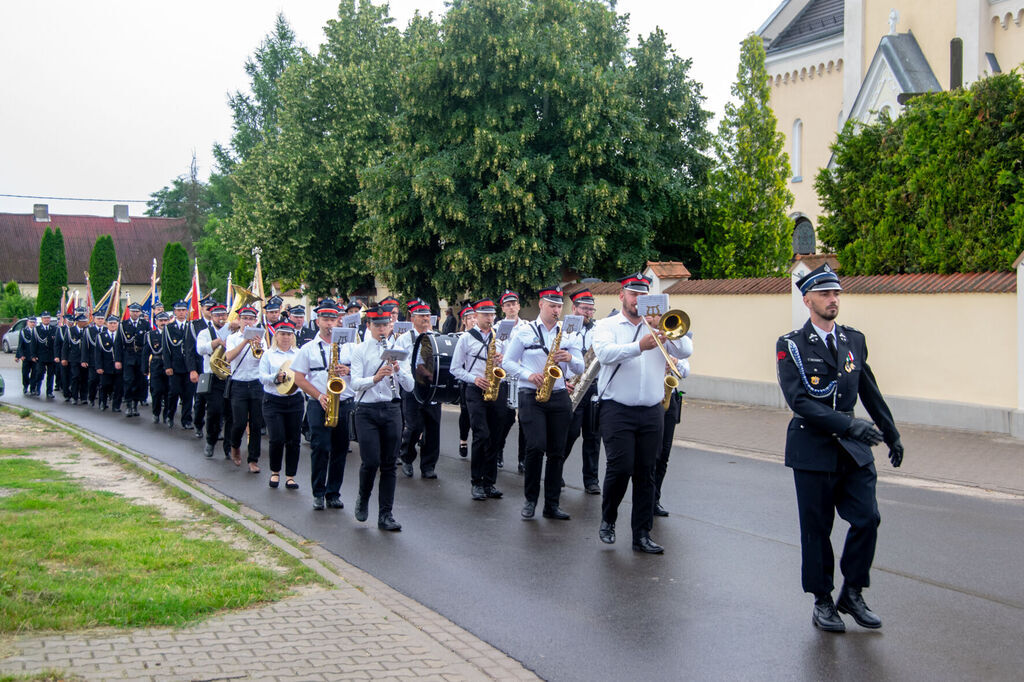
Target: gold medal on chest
{"x":815,"y":381}
{"x":848,"y":367}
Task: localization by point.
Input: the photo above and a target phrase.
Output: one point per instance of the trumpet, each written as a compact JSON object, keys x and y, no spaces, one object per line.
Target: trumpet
{"x":257,"y":348}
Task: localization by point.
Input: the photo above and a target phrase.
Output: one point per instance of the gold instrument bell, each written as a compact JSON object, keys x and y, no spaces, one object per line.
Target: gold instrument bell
{"x":674,"y":324}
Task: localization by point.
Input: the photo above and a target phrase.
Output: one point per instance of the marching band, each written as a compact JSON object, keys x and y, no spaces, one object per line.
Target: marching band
{"x":355,"y":373}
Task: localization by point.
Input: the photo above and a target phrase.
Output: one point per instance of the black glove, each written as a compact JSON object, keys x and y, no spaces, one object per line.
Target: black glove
{"x":864,"y":431}
{"x":896,"y":452}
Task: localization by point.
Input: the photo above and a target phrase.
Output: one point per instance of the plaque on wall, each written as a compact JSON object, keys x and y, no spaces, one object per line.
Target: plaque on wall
{"x":803,"y":237}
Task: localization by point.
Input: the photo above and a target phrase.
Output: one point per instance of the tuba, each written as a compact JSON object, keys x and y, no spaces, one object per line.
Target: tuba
{"x":219,"y":365}
{"x":335,"y":387}
{"x":551,"y":372}
{"x":493,"y":374}
{"x":243,"y":297}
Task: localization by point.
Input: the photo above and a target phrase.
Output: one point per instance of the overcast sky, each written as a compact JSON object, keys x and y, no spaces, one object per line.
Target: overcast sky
{"x":108,"y":99}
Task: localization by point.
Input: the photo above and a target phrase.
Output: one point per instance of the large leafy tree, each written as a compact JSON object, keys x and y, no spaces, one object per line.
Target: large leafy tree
{"x":175,"y":276}
{"x":53,"y":270}
{"x":940,"y":189}
{"x":750,"y":234}
{"x":102,"y":265}
{"x":294,"y":189}
{"x":520,"y":150}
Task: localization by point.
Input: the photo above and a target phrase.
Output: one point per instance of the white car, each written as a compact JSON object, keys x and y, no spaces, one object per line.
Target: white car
{"x":10,"y":341}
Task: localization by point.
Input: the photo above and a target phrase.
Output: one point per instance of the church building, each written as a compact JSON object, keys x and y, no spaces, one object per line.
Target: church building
{"x":832,"y":61}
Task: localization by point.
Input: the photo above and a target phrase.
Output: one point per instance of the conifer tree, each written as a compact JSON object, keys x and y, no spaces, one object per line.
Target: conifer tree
{"x":102,"y":265}
{"x":174,"y":275}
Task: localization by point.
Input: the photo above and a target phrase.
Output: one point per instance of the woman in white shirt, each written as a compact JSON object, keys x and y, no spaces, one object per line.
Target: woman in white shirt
{"x":281,"y":413}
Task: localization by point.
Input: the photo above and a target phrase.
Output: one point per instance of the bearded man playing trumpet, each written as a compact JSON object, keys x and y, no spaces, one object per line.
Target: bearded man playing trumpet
{"x":630,"y":389}
{"x":245,"y":391}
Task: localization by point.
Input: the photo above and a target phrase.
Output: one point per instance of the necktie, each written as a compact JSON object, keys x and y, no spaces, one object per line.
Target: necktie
{"x":830,"y":341}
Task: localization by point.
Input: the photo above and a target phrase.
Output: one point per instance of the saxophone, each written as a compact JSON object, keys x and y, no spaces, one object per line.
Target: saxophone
{"x":493,"y":374}
{"x":551,"y":371}
{"x":584,"y":380}
{"x":335,"y":387}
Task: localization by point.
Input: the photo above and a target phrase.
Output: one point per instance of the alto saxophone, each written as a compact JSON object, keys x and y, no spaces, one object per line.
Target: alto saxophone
{"x":584,"y":381}
{"x":335,"y":387}
{"x":551,"y":372}
{"x":493,"y":374}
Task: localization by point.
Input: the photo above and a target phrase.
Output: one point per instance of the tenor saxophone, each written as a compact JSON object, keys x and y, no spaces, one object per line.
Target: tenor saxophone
{"x":551,"y":371}
{"x":335,"y":387}
{"x":493,"y":374}
{"x":584,"y":380}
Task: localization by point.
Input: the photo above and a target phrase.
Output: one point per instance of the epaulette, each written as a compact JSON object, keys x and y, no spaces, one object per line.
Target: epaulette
{"x":791,"y":334}
{"x":848,"y":328}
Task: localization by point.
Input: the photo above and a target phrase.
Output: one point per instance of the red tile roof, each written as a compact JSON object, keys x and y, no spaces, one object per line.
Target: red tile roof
{"x":669,"y":269}
{"x":136,"y":242}
{"x":960,"y":283}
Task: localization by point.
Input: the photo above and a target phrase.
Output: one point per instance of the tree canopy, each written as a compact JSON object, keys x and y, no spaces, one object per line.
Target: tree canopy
{"x":939,"y":189}
{"x":751,"y":233}
{"x":102,"y":265}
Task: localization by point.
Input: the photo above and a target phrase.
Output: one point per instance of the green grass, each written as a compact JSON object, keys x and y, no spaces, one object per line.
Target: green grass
{"x":73,"y":558}
{"x":48,"y":676}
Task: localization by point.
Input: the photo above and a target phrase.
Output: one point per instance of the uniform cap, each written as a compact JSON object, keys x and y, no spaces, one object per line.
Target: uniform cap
{"x":509,"y":295}
{"x":484,"y":305}
{"x":582,"y":296}
{"x":638,"y":283}
{"x":553,"y":294}
{"x":297,"y":310}
{"x":135,"y":306}
{"x":284,"y":326}
{"x":273,"y":303}
{"x":822,"y":278}
{"x":419,"y":308}
{"x":180,"y":305}
{"x":162,"y":317}
{"x":113,"y":318}
{"x":247,"y":311}
{"x":218,"y":308}
{"x":466,"y":310}
{"x":378,"y":314}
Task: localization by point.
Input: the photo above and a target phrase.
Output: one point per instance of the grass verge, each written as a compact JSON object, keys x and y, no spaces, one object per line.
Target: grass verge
{"x":73,"y":558}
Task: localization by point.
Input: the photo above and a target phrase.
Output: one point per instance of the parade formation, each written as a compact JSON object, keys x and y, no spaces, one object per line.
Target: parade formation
{"x":366,"y":372}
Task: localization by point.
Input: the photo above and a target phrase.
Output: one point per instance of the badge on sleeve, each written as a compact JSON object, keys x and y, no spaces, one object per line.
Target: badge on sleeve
{"x":781,"y":355}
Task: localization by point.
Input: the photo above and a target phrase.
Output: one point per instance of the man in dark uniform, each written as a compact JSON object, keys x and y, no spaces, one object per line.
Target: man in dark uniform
{"x":304,"y":333}
{"x":43,"y":346}
{"x":108,"y":365}
{"x":23,"y":354}
{"x":154,"y":356}
{"x":195,"y":365}
{"x":176,"y":367}
{"x":73,"y":354}
{"x":63,"y":381}
{"x":822,"y":369}
{"x":91,"y":334}
{"x":131,"y":350}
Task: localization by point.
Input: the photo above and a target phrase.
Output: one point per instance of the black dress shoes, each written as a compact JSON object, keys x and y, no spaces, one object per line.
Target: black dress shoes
{"x":607,"y":533}
{"x":208,"y":450}
{"x":407,"y":469}
{"x":463,"y":449}
{"x":387,"y":522}
{"x":659,"y":510}
{"x":493,"y":492}
{"x":319,"y":503}
{"x":825,"y":617}
{"x":478,"y":492}
{"x":593,"y":489}
{"x":335,"y":503}
{"x":199,"y":432}
{"x":645,"y":544}
{"x":528,"y":509}
{"x":429,"y":473}
{"x":851,"y":602}
{"x":156,"y":419}
{"x":501,"y":462}
{"x":555,"y":513}
{"x":361,"y":512}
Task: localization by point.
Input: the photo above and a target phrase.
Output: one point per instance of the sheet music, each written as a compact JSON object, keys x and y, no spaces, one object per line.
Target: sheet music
{"x":253,"y":333}
{"x":504,"y":328}
{"x":350,"y":321}
{"x":652,"y":304}
{"x":343,"y":335}
{"x":572,"y":323}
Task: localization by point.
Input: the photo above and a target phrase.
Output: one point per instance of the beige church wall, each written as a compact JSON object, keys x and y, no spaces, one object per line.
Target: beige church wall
{"x":816,"y":100}
{"x":1008,"y":45}
{"x":933,"y":23}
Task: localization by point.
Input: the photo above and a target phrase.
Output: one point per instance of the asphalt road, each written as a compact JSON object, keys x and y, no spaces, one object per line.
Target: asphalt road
{"x":723,"y":602}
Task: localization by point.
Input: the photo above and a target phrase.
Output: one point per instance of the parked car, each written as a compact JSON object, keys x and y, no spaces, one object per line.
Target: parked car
{"x":10,"y":341}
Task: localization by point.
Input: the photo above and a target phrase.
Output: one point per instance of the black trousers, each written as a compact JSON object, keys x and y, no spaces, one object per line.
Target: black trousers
{"x":199,"y":408}
{"x":94,"y":383}
{"x":247,"y":410}
{"x":545,"y":426}
{"x":134,"y":382}
{"x":422,"y":425}
{"x":329,"y":449}
{"x":181,"y":389}
{"x":463,"y":416}
{"x":64,"y":378}
{"x":850,"y":491}
{"x":380,"y":432}
{"x":490,"y":422}
{"x":632,"y":438}
{"x":111,"y":388}
{"x":218,"y":413}
{"x":158,"y":388}
{"x":283,"y":416}
{"x":672,"y":417}
{"x":79,"y":381}
{"x":41,"y":370}
{"x":580,"y":424}
{"x":27,"y":371}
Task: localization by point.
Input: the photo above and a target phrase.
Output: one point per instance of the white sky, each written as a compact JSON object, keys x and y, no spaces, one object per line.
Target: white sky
{"x":108,"y":99}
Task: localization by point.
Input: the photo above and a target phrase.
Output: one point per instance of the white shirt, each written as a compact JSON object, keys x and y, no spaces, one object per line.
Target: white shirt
{"x":469,"y":359}
{"x":270,"y":365}
{"x":366,"y":360}
{"x":823,"y":335}
{"x":313,"y":359}
{"x":640,"y":381}
{"x":527,"y":352}
{"x":204,"y":342}
{"x":244,"y":367}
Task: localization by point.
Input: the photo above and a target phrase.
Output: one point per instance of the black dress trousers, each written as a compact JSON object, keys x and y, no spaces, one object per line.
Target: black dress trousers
{"x":632,"y":440}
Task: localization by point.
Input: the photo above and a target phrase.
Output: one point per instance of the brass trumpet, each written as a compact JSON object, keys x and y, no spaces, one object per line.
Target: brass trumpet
{"x":257,"y":348}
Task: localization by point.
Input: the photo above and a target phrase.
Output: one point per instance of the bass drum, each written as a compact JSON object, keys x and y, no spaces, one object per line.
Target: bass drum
{"x":434,"y":380}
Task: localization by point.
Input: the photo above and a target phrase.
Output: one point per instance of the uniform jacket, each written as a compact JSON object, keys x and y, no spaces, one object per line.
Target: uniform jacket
{"x":154,"y":351}
{"x":44,"y":342}
{"x":104,"y":354}
{"x":89,"y":344}
{"x":175,"y":346}
{"x":60,"y":340}
{"x":24,"y":349}
{"x":131,"y":341}
{"x":823,"y":395}
{"x":74,"y":346}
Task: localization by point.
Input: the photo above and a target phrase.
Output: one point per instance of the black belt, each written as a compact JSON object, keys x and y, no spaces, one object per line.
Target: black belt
{"x":848,"y":413}
{"x":381,"y":403}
